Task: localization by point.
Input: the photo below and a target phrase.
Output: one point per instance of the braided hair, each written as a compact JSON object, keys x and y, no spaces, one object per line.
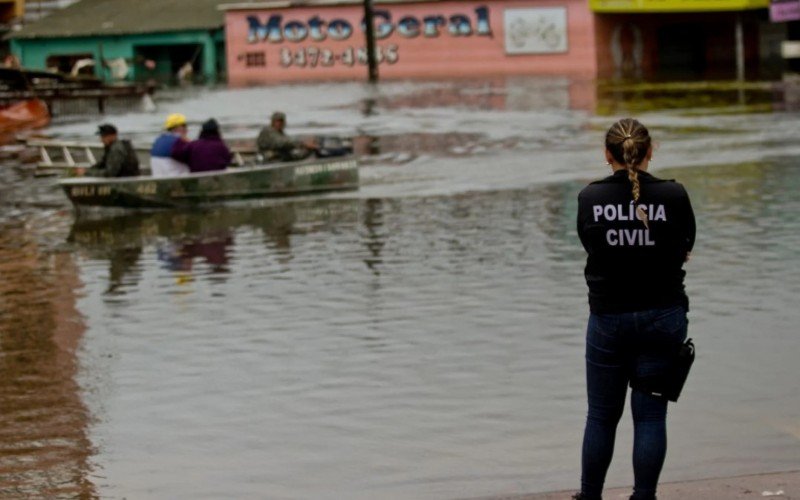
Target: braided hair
{"x":629,"y":141}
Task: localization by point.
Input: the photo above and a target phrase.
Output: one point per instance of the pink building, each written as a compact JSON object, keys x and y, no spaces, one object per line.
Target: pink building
{"x":278,"y":41}
{"x":307,"y":40}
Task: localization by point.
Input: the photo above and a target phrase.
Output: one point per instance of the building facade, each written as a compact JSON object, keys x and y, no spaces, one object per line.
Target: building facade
{"x":142,"y":40}
{"x":787,"y":14}
{"x":651,"y":39}
{"x":264,"y":42}
{"x":686,"y":39}
{"x":273,"y":42}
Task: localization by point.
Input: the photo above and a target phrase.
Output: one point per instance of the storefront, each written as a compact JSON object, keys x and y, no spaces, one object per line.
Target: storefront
{"x":142,"y":40}
{"x":786,"y":13}
{"x":685,"y":39}
{"x":272,"y":42}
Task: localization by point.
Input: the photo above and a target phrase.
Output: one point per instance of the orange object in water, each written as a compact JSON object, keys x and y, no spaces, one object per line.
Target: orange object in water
{"x":27,"y":114}
{"x":22,"y":115}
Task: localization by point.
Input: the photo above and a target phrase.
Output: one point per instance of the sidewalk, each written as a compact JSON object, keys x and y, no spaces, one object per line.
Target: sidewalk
{"x":778,"y":486}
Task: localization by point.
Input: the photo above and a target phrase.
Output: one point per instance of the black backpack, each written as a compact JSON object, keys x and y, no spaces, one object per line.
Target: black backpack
{"x":131,"y":166}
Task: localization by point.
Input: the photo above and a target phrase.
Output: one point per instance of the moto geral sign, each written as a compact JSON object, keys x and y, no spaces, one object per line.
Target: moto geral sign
{"x":276,"y":29}
{"x":425,"y":39}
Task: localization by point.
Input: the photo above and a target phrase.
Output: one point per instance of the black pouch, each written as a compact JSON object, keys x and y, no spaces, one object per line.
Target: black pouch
{"x":668,"y":384}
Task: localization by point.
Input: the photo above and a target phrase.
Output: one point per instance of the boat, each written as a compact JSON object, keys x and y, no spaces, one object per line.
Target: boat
{"x":20,"y":107}
{"x":22,"y":115}
{"x":313,"y":175}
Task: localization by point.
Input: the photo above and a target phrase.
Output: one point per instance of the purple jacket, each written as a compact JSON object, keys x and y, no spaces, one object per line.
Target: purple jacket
{"x":204,"y":154}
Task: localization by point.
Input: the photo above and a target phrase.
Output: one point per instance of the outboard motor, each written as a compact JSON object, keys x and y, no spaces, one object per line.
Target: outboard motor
{"x":333,"y":146}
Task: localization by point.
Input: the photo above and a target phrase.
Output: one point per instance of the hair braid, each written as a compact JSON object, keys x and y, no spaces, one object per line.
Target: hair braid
{"x":633,"y":176}
{"x":629,"y":141}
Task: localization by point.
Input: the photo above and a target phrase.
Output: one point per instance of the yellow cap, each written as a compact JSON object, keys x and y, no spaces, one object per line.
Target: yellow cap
{"x":174,"y":120}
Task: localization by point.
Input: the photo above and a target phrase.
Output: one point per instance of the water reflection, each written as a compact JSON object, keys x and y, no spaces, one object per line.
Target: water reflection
{"x":44,"y":443}
{"x":503,"y":93}
{"x":605,"y":98}
{"x":188,"y":243}
{"x":722,"y":97}
{"x":368,"y":106}
{"x":212,"y":249}
{"x":375,"y":238}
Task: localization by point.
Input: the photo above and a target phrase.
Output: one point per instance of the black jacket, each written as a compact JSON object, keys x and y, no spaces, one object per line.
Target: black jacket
{"x":631,"y":266}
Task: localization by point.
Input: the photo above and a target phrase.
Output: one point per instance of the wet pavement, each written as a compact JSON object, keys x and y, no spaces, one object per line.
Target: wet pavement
{"x":779,"y":486}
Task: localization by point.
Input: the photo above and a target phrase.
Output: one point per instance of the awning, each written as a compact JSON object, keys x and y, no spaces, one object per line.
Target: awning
{"x":638,"y":6}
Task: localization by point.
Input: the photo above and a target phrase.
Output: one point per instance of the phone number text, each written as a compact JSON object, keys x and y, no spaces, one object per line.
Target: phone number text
{"x":311,"y":57}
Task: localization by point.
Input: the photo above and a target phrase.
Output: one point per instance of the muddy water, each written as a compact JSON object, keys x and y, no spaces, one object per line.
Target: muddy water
{"x":420,"y":338}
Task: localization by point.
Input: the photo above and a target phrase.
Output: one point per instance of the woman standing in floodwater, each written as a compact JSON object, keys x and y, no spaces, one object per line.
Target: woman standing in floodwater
{"x":638,"y":231}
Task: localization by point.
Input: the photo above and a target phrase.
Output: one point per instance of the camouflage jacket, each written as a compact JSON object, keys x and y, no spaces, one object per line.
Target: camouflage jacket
{"x":119,"y":160}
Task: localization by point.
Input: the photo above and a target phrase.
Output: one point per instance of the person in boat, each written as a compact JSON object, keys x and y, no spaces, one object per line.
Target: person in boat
{"x":274,"y":145}
{"x":162,"y":163}
{"x":119,"y":158}
{"x":207,"y":153}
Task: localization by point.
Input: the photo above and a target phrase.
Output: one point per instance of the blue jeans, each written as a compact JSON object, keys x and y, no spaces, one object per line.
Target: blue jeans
{"x":619,"y":346}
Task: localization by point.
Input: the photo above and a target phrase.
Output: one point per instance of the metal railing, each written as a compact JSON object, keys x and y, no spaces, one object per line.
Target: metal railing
{"x":56,"y":156}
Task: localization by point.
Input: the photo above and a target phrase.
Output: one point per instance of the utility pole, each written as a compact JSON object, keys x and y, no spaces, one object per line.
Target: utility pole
{"x":369,"y":20}
{"x":740,"y":57}
{"x":739,"y":49}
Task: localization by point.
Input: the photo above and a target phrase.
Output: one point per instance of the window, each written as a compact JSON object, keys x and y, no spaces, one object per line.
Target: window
{"x":255,"y":59}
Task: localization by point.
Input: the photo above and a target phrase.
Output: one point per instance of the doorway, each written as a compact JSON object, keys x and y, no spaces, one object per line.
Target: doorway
{"x":169,"y":63}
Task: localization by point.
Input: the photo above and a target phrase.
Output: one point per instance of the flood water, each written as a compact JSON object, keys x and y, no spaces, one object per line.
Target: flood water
{"x":421,"y":338}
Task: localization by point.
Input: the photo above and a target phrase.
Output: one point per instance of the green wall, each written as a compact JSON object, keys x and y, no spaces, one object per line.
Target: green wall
{"x":33,"y":53}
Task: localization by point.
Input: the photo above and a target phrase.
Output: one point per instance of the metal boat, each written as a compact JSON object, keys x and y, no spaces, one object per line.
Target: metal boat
{"x":314,"y":175}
